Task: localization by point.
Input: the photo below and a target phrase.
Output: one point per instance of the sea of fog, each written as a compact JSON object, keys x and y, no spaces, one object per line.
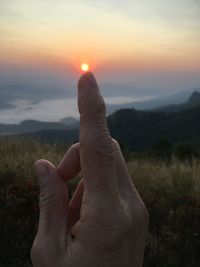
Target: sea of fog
{"x":50,"y":110}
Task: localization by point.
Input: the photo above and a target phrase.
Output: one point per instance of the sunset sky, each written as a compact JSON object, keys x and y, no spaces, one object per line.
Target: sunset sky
{"x":151,"y":44}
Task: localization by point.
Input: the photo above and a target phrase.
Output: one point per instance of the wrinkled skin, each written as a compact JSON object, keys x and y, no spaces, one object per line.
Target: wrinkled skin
{"x":106,"y":222}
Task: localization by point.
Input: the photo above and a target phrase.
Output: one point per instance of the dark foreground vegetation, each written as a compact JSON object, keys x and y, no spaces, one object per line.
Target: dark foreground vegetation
{"x":170,"y":189}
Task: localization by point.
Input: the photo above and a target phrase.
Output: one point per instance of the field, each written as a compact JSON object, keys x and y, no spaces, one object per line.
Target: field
{"x":170,"y":190}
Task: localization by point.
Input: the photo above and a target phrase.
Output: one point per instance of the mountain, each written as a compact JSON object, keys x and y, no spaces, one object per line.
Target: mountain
{"x":31,"y":126}
{"x":155,"y":103}
{"x":193,"y":101}
{"x":136,"y":130}
{"x":70,"y":121}
{"x":28,"y":126}
{"x":139,"y":130}
{"x":194,"y":98}
{"x":67,"y":136}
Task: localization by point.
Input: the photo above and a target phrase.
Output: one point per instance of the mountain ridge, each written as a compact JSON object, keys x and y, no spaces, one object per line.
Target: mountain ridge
{"x":137,"y":130}
{"x":155,"y":103}
{"x":193,"y":101}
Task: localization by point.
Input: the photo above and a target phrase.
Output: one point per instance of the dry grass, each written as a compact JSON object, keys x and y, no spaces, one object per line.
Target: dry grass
{"x":171,"y":192}
{"x":177,"y":177}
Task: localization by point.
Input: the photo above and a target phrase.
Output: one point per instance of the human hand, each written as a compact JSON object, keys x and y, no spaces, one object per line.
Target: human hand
{"x":105,"y":223}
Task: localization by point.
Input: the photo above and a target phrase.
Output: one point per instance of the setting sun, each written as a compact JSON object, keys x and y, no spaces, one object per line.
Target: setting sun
{"x":85,"y":67}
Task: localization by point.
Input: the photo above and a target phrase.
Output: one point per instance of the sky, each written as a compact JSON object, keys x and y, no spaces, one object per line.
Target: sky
{"x":137,"y":49}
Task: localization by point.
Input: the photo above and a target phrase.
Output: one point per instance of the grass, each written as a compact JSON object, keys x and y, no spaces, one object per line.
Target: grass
{"x":170,"y":190}
{"x":177,"y":177}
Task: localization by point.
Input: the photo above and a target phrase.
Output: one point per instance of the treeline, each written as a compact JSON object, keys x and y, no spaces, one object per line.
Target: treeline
{"x":158,"y":133}
{"x":163,"y":149}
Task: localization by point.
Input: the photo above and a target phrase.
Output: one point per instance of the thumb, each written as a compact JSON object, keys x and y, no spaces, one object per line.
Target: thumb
{"x":53,"y":202}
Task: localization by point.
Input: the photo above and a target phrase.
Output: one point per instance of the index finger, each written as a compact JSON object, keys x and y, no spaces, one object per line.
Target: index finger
{"x":96,"y":145}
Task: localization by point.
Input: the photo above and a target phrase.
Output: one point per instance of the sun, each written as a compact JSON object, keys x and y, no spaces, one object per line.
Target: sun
{"x":85,"y":67}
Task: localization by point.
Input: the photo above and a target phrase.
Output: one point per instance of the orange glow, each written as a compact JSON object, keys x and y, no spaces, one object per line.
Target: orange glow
{"x":85,"y":67}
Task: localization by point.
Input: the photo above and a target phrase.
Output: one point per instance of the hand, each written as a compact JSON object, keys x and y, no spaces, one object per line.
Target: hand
{"x":105,"y":223}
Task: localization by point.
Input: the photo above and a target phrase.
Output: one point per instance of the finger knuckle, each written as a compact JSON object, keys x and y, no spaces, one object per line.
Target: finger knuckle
{"x":46,"y":200}
{"x":141,"y":214}
{"x":36,"y":251}
{"x":99,"y":143}
{"x":99,"y":106}
{"x":92,"y":107}
{"x":116,"y":143}
{"x":75,"y":147}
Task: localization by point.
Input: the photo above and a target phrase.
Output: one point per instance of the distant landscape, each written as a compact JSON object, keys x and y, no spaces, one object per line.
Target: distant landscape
{"x":162,"y":128}
{"x":160,"y":140}
{"x":145,"y":56}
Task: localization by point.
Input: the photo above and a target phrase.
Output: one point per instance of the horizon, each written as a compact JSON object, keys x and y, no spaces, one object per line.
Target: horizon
{"x":137,"y":51}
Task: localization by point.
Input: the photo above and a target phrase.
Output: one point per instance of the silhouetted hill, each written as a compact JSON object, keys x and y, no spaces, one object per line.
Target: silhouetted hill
{"x":139,"y":130}
{"x":30,"y":126}
{"x":136,"y":130}
{"x":193,"y":101}
{"x":160,"y":103}
{"x":70,"y":121}
{"x":194,"y":98}
{"x":68,"y":136}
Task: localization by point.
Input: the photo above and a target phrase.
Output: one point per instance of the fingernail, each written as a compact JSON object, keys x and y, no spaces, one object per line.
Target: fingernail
{"x":92,"y":80}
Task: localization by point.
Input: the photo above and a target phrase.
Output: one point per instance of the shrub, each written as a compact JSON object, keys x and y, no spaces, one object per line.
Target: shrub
{"x":170,"y":190}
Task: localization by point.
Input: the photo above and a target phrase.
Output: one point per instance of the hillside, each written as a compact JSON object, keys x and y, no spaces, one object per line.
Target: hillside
{"x":67,"y":136}
{"x":139,"y":130}
{"x":156,"y":104}
{"x":136,"y":130}
{"x":34,"y":126}
{"x":193,"y":101}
